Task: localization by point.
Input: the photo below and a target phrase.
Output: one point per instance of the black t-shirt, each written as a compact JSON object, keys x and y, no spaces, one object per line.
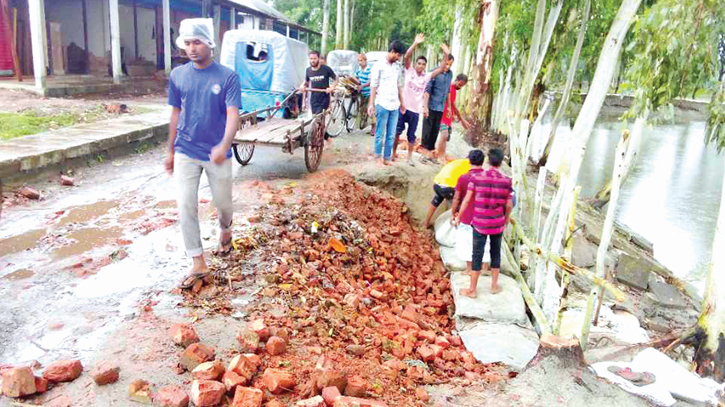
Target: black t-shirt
{"x":321,"y":78}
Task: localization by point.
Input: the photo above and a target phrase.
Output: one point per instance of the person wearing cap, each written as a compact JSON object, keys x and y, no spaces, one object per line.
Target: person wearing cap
{"x":205,"y":97}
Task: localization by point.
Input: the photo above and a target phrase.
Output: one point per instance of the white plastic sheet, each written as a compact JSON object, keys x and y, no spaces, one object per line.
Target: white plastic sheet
{"x":290,"y":56}
{"x":343,"y":62}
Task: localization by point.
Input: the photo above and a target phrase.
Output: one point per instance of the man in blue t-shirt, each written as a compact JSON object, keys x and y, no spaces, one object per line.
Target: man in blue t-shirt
{"x":205,"y":97}
{"x":363,"y":75}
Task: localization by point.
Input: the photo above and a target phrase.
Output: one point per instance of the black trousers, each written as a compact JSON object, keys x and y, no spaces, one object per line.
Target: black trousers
{"x":431,"y":128}
{"x":479,"y":243}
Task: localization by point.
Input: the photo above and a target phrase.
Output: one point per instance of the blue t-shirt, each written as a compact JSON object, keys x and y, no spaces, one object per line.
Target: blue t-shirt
{"x":363,"y":75}
{"x":203,"y":95}
{"x":438,"y":89}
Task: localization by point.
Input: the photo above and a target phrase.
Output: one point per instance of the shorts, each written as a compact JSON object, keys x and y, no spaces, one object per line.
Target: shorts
{"x":464,"y":244}
{"x":449,"y":128}
{"x":319,"y":106}
{"x":441,"y":194}
{"x":411,"y":119}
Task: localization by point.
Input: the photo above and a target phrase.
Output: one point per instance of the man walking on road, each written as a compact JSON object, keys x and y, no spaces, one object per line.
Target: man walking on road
{"x":386,"y":101}
{"x":413,"y":94}
{"x":449,"y":115}
{"x":434,"y":101}
{"x":319,"y":77}
{"x":205,"y":97}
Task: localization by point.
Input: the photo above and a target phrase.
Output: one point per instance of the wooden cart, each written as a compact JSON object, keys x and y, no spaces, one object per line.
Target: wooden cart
{"x":287,"y":133}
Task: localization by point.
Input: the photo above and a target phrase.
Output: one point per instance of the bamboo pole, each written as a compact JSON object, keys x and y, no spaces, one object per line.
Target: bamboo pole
{"x":565,"y":264}
{"x":536,"y":310}
{"x":565,"y":277}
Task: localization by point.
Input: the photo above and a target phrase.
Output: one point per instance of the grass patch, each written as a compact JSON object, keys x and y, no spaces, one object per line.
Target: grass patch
{"x":23,"y":124}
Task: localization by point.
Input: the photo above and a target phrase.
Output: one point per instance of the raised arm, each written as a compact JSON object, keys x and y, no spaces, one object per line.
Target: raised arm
{"x":409,"y":54}
{"x":440,"y":68}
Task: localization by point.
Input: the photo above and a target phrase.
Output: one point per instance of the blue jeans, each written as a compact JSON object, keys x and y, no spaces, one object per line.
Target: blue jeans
{"x":387,"y":121}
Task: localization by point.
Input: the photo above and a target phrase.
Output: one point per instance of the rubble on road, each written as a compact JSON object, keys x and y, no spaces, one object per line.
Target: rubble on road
{"x":63,"y":371}
{"x":105,"y":373}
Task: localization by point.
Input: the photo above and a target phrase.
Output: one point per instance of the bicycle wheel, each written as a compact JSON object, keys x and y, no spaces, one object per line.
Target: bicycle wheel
{"x":336,"y":119}
{"x":243,"y":152}
{"x":351,"y":116}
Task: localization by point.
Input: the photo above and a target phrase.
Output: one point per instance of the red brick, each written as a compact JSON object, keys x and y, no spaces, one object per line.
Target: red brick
{"x":352,"y":300}
{"x":356,"y":387}
{"x":358,"y":402}
{"x":274,"y":403}
{"x":282,"y":332}
{"x":330,"y":394}
{"x":455,"y":340}
{"x":248,"y":340}
{"x":442,"y":342}
{"x":63,"y":371}
{"x":427,"y":353}
{"x":450,"y":355}
{"x":248,"y":397}
{"x":410,"y":314}
{"x":316,"y":401}
{"x":377,"y":294}
{"x":243,"y":366}
{"x":140,"y":391}
{"x":41,"y":385}
{"x":206,"y":393}
{"x":66,"y":181}
{"x":276,"y":346}
{"x":258,"y":326}
{"x":468,"y":357}
{"x":194,"y":355}
{"x":332,"y":378}
{"x":278,"y":381}
{"x":183,"y":335}
{"x":429,"y":336}
{"x":171,"y":396}
{"x":208,"y":371}
{"x":232,"y":380}
{"x":405,"y":324}
{"x":437,"y":350}
{"x":254,"y":359}
{"x":30,"y":193}
{"x":422,"y":395}
{"x":18,"y":382}
{"x":105,"y":373}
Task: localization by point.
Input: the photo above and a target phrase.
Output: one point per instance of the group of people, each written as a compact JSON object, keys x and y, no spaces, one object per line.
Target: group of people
{"x":396,"y":97}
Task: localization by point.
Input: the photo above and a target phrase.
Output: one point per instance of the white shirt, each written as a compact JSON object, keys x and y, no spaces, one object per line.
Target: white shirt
{"x":386,"y":78}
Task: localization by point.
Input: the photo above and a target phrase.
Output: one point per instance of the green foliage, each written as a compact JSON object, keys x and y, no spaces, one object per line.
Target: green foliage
{"x":23,"y":124}
{"x":715,"y":131}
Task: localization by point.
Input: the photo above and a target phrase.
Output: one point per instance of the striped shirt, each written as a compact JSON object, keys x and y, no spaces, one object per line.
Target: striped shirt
{"x":363,"y":75}
{"x":462,"y":189}
{"x":492,"y":190}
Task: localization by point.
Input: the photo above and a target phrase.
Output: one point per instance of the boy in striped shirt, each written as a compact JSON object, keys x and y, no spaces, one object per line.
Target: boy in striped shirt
{"x":490,"y":194}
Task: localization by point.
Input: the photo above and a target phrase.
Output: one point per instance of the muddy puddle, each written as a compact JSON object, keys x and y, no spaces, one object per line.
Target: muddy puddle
{"x":87,"y":239}
{"x":18,"y":275}
{"x":19,"y":243}
{"x":84,"y":213}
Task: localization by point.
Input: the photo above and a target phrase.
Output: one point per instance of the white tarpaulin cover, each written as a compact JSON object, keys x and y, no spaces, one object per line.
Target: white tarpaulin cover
{"x":375,"y":56}
{"x":290,"y":56}
{"x":343,"y":62}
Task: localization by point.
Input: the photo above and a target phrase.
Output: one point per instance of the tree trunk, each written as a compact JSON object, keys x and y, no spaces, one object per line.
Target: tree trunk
{"x":346,"y":34}
{"x":484,"y":63}
{"x":566,"y":95}
{"x":325,"y":26}
{"x":338,"y":25}
{"x":352,"y":21}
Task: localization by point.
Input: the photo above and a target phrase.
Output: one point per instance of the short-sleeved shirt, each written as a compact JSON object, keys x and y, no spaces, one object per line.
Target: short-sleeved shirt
{"x":414,"y":89}
{"x":438,"y":88}
{"x":363,"y":75}
{"x":320,"y":78}
{"x":447,"y":113}
{"x":492,"y":190}
{"x":449,"y":174}
{"x":385,"y":77}
{"x":462,"y":189}
{"x":203,"y":95}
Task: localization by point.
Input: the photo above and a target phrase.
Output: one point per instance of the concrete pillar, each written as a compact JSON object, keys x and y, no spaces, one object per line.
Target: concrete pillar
{"x":233,"y":18}
{"x":39,"y":41}
{"x":287,"y":30}
{"x":167,"y":35}
{"x":204,"y":8}
{"x":115,"y":40}
{"x":217,"y":31}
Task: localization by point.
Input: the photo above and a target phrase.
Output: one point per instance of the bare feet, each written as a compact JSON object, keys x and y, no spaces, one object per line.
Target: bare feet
{"x":379,"y":161}
{"x":468,"y":293}
{"x":495,"y":290}
{"x":387,"y":162}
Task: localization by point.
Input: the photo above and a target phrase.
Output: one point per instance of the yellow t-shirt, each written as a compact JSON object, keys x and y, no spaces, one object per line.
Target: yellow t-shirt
{"x":448,"y":176}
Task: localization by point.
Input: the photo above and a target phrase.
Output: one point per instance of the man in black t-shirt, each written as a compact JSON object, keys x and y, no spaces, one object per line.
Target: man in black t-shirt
{"x":318,"y":76}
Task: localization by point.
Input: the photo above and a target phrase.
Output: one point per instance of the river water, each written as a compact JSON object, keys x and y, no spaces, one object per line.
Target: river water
{"x":672,"y":195}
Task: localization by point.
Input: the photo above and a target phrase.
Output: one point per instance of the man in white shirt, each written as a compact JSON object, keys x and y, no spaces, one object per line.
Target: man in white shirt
{"x":386,"y":100}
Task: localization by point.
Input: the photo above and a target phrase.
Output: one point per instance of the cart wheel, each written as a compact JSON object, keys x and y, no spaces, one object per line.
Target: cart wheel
{"x":314,"y":145}
{"x":336,"y":119}
{"x":243,"y":152}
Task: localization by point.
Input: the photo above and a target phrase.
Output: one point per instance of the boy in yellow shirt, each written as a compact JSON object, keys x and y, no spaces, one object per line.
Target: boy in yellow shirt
{"x":445,"y":184}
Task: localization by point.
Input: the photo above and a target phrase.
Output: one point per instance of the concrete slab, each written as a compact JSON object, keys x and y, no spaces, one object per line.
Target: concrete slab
{"x":665,"y":295}
{"x":633,"y":272}
{"x":509,"y":344}
{"x":506,"y":307}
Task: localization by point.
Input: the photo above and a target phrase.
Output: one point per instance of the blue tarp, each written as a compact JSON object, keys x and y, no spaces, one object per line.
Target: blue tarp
{"x":253,"y":74}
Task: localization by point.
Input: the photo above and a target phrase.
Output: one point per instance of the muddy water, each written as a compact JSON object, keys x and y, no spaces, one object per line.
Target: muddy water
{"x":672,"y":194}
{"x":20,"y":242}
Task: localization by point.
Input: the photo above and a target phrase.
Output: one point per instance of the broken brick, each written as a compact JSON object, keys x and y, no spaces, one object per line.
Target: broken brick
{"x":442,"y":342}
{"x":66,"y":181}
{"x":356,"y":387}
{"x":278,"y":381}
{"x":274,"y":403}
{"x":29,"y":193}
{"x":357,"y":402}
{"x":248,"y":397}
{"x":422,"y":395}
{"x":244,"y":366}
{"x":395,"y":364}
{"x":357,"y":350}
{"x":330,"y":394}
{"x":455,"y":340}
{"x":208,"y":371}
{"x":63,"y":371}
{"x":248,"y":340}
{"x":450,"y":355}
{"x":429,"y":336}
{"x":316,"y":401}
{"x":427,"y":353}
{"x":206,"y":393}
{"x":41,"y":385}
{"x":260,"y":328}
{"x":140,"y":391}
{"x":183,"y":334}
{"x":18,"y":382}
{"x":281,"y":332}
{"x":194,"y":355}
{"x":105,"y":373}
{"x":171,"y":396}
{"x":276,"y":346}
{"x":377,"y":294}
{"x":232,"y":380}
